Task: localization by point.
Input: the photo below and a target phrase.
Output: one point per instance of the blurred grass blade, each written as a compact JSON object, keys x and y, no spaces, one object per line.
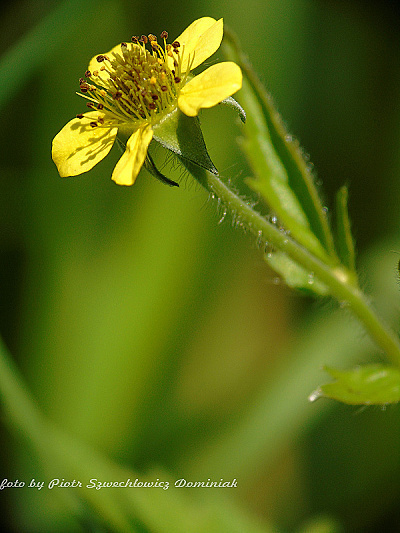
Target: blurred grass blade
{"x":34,"y":49}
{"x":286,"y":150}
{"x":118,"y":508}
{"x":345,"y":243}
{"x":363,"y":385}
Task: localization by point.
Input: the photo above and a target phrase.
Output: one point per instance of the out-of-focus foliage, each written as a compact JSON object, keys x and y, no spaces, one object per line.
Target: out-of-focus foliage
{"x":154,"y":336}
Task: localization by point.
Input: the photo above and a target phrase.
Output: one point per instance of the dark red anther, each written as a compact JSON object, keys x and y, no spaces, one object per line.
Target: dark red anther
{"x":164,"y":35}
{"x":164,"y":88}
{"x":88,"y":74}
{"x":135,"y":39}
{"x":100,"y":106}
{"x":177,"y":79}
{"x":152,"y":105}
{"x":143,"y":39}
{"x":154,"y":96}
{"x":176,"y":44}
{"x":79,"y":116}
{"x":117,"y":95}
{"x":93,"y":124}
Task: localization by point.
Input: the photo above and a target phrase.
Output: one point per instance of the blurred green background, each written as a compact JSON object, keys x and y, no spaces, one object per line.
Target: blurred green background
{"x":157,"y":337}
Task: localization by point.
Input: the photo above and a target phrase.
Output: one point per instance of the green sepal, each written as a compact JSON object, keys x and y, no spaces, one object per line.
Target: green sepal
{"x":231,"y":102}
{"x":151,"y":167}
{"x":373,"y":384}
{"x":183,"y":136}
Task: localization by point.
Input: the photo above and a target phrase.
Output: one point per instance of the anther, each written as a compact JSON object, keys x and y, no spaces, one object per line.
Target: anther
{"x":154,"y":96}
{"x":152,"y":105}
{"x":176,"y":44}
{"x":100,"y":106}
{"x":88,"y":74}
{"x":79,"y":116}
{"x":93,"y":124}
{"x":152,"y":37}
{"x":164,"y":35}
{"x":100,"y":58}
{"x":143,"y":39}
{"x":117,"y":95}
{"x":135,"y":39}
{"x":177,"y":79}
{"x":164,"y":88}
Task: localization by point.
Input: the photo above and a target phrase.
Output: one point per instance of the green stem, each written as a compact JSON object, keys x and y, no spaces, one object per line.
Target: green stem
{"x":338,"y":279}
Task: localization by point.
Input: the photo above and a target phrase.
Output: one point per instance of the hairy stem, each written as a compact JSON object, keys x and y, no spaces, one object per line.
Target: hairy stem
{"x":338,"y":279}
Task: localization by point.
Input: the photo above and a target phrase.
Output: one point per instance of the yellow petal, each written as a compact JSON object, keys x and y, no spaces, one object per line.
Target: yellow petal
{"x":199,"y":41}
{"x":130,"y":163}
{"x":210,"y":87}
{"x":78,"y":147}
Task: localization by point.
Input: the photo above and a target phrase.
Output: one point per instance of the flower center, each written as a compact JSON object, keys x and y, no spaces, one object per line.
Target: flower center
{"x":135,"y":84}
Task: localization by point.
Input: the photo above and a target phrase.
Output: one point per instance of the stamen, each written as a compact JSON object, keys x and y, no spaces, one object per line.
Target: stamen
{"x":135,"y":83}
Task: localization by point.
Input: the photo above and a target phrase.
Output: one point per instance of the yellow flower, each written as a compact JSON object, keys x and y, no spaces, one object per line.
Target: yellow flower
{"x":132,"y":91}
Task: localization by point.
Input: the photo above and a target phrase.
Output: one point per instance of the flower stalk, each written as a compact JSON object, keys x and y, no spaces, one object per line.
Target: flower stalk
{"x":340,"y":283}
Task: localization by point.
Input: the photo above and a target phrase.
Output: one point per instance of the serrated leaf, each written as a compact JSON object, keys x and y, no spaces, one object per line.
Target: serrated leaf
{"x":294,"y":275}
{"x":365,"y":385}
{"x":344,"y":238}
{"x":271,"y":179}
{"x":279,"y":166}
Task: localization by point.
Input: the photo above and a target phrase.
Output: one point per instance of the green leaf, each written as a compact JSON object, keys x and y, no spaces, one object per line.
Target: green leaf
{"x":365,"y":385}
{"x":344,"y":239}
{"x":283,"y":176}
{"x":183,"y":136}
{"x":271,"y":179}
{"x":294,"y":275}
